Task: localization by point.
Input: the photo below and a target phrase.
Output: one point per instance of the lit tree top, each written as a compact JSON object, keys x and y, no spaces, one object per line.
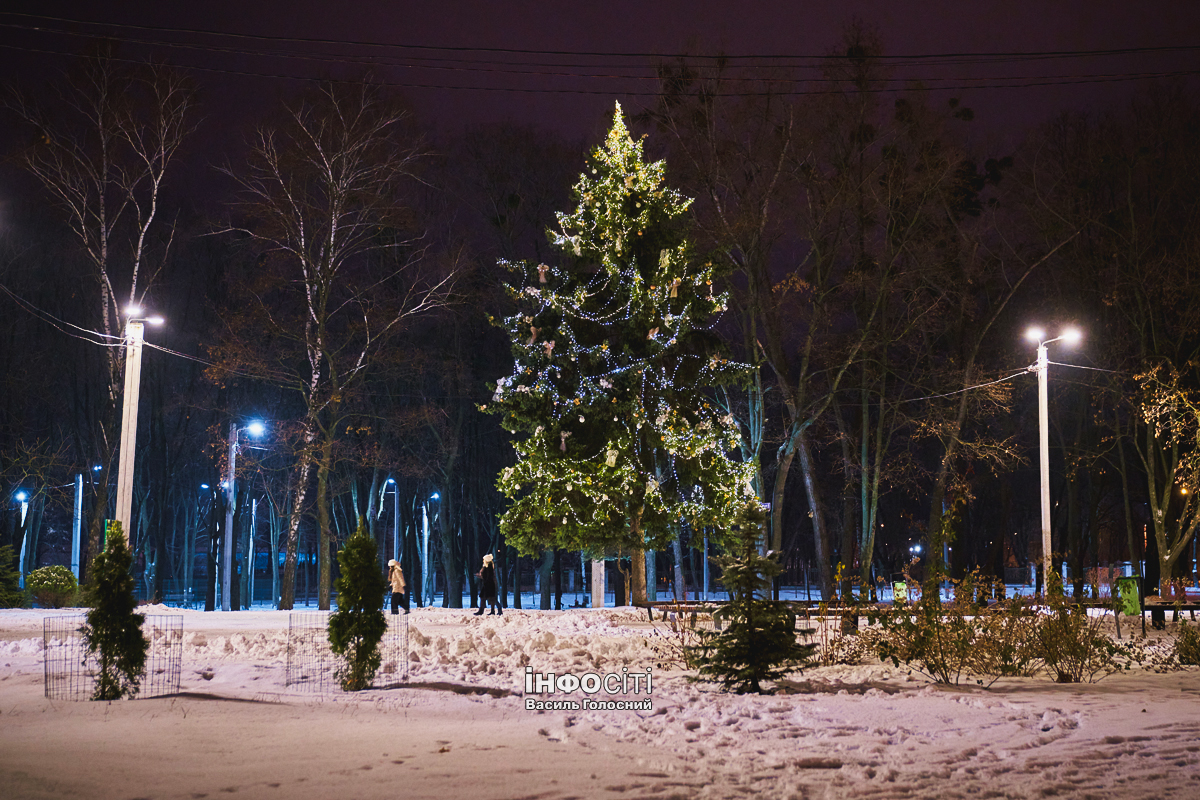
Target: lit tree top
{"x":614,"y":352}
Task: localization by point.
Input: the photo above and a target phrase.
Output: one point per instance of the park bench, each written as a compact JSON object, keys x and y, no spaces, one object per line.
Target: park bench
{"x":678,"y":607}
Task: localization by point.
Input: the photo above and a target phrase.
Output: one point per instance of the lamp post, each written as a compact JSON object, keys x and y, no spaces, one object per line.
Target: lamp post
{"x":134,"y":330}
{"x":23,"y":498}
{"x":254,"y":429}
{"x":426,"y":566}
{"x":1070,"y":336}
{"x":395,"y":519}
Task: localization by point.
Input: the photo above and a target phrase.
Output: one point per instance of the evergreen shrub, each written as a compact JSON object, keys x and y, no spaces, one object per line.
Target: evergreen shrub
{"x":113,"y":632}
{"x":52,"y":587}
{"x":11,"y":595}
{"x":358,"y":625}
{"x":759,"y":643}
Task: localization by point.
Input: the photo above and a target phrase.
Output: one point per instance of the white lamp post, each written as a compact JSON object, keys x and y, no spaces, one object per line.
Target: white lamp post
{"x":134,"y":330}
{"x":1071,"y":336}
{"x":23,"y":498}
{"x":395,"y":519}
{"x":254,"y":429}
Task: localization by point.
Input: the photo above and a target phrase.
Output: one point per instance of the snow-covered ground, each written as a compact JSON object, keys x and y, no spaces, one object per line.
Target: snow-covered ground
{"x":461,"y":728}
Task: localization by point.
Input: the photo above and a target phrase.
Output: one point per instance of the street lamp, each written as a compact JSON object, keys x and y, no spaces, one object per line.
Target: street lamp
{"x":395,"y":518}
{"x":23,"y":498}
{"x":255,"y":429}
{"x":1071,"y":336}
{"x":134,"y":329}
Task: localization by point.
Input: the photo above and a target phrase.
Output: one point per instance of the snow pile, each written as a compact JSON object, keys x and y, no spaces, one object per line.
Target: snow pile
{"x":494,"y":651}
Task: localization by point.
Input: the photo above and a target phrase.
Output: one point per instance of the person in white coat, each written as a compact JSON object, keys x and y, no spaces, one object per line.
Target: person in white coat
{"x":399,"y":587}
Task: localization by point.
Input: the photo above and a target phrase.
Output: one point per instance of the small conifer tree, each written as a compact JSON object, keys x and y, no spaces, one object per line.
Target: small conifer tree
{"x":759,"y":643}
{"x":114,"y":630}
{"x":11,"y":595}
{"x":358,"y":625}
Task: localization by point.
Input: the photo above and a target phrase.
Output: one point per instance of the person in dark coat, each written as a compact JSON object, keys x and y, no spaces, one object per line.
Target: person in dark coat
{"x":487,"y":587}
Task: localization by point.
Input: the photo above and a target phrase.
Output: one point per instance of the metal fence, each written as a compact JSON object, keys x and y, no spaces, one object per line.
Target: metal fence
{"x":312,"y":665}
{"x":70,"y":670}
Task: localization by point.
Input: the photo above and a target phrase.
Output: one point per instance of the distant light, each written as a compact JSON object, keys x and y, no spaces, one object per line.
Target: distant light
{"x":1072,"y":336}
{"x":256,"y":428}
{"x":1035,"y":334}
{"x":155,"y":320}
{"x":133,"y":311}
{"x":96,"y":468}
{"x":204,"y":486}
{"x":21,"y":497}
{"x":391,"y":480}
{"x":434,"y":496}
{"x":224,"y":484}
{"x":1183,"y":490}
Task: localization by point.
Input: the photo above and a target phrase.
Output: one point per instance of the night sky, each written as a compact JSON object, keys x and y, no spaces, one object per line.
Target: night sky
{"x":448,"y":57}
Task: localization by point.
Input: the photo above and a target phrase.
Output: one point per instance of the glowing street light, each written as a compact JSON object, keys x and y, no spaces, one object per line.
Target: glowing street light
{"x":1071,"y":337}
{"x":22,"y":497}
{"x":134,"y":330}
{"x":255,"y":429}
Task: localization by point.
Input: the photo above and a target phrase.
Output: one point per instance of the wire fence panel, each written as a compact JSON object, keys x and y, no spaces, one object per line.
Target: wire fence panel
{"x":70,"y":669}
{"x":312,"y":665}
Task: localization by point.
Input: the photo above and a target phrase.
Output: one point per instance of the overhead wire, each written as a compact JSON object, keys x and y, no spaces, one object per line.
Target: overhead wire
{"x":309,"y":41}
{"x":967,"y":388}
{"x":477,"y":66}
{"x":58,"y":324}
{"x":1017,"y":84}
{"x":468,"y":65}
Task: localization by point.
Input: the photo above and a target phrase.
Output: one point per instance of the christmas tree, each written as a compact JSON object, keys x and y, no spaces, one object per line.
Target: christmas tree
{"x":614,"y":356}
{"x":759,"y":643}
{"x":358,"y":625}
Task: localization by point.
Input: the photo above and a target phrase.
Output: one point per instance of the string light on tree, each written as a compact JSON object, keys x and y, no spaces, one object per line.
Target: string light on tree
{"x":613,"y":357}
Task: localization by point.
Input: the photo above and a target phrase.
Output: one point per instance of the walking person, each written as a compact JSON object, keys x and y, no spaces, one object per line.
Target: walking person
{"x":487,"y":587}
{"x":399,"y":587}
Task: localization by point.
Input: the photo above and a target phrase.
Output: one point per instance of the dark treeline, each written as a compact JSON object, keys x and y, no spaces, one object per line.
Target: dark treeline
{"x":882,"y":270}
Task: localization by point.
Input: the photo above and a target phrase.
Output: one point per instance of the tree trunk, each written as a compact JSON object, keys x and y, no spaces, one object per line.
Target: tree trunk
{"x":637,"y":564}
{"x":451,"y":568}
{"x":287,"y":597}
{"x":325,"y":543}
{"x":210,"y":595}
{"x":544,"y":577}
{"x":680,"y":582}
{"x":816,"y":510}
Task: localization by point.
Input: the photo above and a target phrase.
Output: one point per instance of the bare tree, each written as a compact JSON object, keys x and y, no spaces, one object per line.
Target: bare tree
{"x":102,"y":147}
{"x":324,"y":195}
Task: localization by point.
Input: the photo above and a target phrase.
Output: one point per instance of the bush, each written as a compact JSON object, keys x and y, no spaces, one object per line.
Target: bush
{"x":1187,"y":645}
{"x":1006,"y":644}
{"x":934,"y":637}
{"x":759,"y":643}
{"x":358,"y":625}
{"x":52,"y":587}
{"x":11,"y":595}
{"x":949,"y":641}
{"x":1071,"y":645}
{"x":944,"y":640}
{"x":114,"y":630}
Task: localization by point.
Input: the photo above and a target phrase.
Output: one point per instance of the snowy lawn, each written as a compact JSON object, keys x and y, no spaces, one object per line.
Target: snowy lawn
{"x":866,"y":731}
